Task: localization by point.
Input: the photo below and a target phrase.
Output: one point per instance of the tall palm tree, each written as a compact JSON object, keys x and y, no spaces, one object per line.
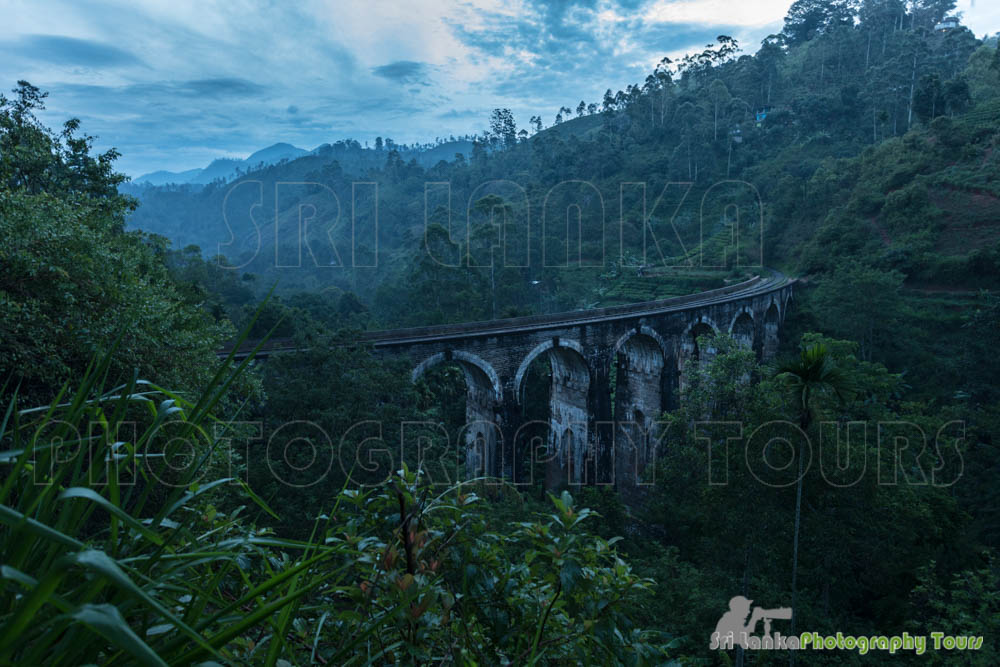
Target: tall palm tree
{"x":814,"y":373}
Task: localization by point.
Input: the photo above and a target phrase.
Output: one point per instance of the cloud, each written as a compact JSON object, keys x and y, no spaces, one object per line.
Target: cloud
{"x":220,"y":88}
{"x":169,"y":92}
{"x":675,"y":37}
{"x":175,"y":84}
{"x":752,"y":14}
{"x":403,"y":71}
{"x":60,"y":50}
{"x":462,"y":114}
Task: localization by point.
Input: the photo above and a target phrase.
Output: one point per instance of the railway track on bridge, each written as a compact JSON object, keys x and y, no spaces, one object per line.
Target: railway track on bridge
{"x":758,"y":285}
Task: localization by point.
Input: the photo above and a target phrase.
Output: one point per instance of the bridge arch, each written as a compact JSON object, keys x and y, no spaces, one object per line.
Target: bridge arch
{"x":569,"y":351}
{"x":483,"y":397}
{"x":568,"y":410}
{"x":478,"y":372}
{"x":775,"y":303}
{"x":689,"y":339}
{"x":688,"y":350}
{"x":643,"y":372}
{"x":772,"y":322}
{"x":702,"y":319}
{"x":643,"y":330}
{"x":742,"y":327}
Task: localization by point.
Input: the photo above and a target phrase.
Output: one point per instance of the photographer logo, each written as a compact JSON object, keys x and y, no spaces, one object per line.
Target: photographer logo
{"x":736,"y":629}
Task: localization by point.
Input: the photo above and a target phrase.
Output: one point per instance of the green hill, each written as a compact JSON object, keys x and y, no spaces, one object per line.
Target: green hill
{"x":805,"y":156}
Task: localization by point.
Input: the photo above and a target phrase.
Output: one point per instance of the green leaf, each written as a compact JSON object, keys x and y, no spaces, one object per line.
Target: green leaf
{"x":258,"y":500}
{"x":100,"y":562}
{"x":93,"y":496}
{"x":108,"y":622}
{"x":570,"y":574}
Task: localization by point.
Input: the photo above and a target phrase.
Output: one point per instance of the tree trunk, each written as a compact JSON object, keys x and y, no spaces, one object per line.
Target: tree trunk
{"x":804,"y":425}
{"x":493,"y":283}
{"x":795,"y":552}
{"x":745,"y":591}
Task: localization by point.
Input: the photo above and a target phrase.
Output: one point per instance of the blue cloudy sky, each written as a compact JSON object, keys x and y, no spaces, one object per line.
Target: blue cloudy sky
{"x":175,"y":83}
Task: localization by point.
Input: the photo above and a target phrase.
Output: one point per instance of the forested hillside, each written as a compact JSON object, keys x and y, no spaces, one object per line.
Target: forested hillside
{"x":834,"y":95}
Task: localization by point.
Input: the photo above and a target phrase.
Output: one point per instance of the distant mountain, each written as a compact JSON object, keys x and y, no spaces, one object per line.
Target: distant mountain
{"x":224,"y":168}
{"x":164,"y":177}
{"x":446,"y":151}
{"x":276,"y":153}
{"x":352,"y":157}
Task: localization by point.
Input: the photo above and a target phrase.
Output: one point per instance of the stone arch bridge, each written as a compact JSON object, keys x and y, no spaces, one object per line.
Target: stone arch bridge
{"x":599,"y":426}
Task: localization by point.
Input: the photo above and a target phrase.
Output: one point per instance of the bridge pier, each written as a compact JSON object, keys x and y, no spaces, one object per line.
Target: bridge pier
{"x":690,"y":352}
{"x":568,"y":417}
{"x":638,"y":404}
{"x":772,"y":321}
{"x":483,"y":435}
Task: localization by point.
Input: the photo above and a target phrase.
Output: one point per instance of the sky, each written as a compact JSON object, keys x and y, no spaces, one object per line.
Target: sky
{"x":174,"y":84}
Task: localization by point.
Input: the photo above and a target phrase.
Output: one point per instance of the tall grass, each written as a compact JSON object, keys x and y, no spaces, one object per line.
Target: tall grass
{"x":108,"y":555}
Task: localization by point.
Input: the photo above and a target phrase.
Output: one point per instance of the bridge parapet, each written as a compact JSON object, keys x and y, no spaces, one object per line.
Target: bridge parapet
{"x":531,"y":322}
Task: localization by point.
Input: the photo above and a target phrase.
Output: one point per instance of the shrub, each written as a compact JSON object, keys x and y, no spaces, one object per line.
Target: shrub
{"x":101,"y":564}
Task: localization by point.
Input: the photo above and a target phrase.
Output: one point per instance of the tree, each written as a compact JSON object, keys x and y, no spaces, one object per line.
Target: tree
{"x":491,"y":206}
{"x":608,"y":102}
{"x":956,"y":96}
{"x":983,"y":73}
{"x":72,"y":279}
{"x":967,"y":603}
{"x":445,"y":286}
{"x":581,"y":108}
{"x":33,"y":159}
{"x":926,"y":14}
{"x":928,"y":100}
{"x":808,"y":18}
{"x":812,"y":375}
{"x":860,"y":303}
{"x":378,"y":143}
{"x":768,"y":61}
{"x":503,"y":129}
{"x":718,"y":93}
